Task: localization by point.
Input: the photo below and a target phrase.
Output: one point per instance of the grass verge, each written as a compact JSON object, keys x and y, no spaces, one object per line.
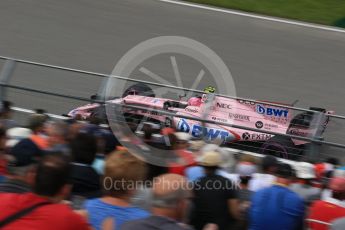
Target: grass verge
{"x":327,"y":12}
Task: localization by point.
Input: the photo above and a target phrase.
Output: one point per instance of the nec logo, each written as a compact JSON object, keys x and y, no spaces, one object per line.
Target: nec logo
{"x":208,"y":133}
{"x":224,"y":106}
{"x":271,"y":111}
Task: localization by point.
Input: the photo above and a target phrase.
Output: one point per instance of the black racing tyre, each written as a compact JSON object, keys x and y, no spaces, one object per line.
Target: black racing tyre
{"x":282,"y":147}
{"x":99,"y":115}
{"x":139,"y":89}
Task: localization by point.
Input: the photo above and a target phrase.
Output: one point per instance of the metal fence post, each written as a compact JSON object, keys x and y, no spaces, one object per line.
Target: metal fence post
{"x":5,"y":76}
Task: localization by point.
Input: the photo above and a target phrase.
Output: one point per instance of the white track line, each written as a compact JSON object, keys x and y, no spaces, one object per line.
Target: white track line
{"x":268,"y":18}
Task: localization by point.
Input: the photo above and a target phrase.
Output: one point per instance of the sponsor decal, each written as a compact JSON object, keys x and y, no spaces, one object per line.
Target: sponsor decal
{"x":156,"y":113}
{"x":298,"y":132}
{"x":239,"y":117}
{"x":155,"y":100}
{"x":256,"y":136}
{"x":275,"y":112}
{"x":224,"y":106}
{"x":270,"y":126}
{"x":246,"y":102}
{"x":191,"y":110}
{"x":219,"y":119}
{"x":205,"y":132}
{"x":259,"y":124}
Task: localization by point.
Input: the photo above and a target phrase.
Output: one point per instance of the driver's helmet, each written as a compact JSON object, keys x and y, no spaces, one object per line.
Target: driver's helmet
{"x":194,"y":101}
{"x":210,"y":89}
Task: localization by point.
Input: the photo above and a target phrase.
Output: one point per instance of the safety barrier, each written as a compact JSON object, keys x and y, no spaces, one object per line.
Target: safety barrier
{"x":318,"y":117}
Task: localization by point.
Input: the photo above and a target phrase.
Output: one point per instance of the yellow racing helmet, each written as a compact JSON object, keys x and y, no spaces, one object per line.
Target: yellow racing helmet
{"x":210,"y":89}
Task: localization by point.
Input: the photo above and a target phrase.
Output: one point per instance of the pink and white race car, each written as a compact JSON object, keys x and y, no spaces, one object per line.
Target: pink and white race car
{"x":233,"y":120}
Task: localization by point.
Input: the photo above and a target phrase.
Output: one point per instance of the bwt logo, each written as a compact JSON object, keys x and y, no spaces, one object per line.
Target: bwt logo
{"x":271,"y":111}
{"x":205,"y":132}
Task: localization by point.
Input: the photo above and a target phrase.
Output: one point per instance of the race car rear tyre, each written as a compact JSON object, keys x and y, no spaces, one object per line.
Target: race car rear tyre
{"x":139,"y":89}
{"x":282,"y":147}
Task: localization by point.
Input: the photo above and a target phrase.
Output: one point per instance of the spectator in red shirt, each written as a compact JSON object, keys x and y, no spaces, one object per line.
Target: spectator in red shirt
{"x":323,"y":212}
{"x":47,"y":211}
{"x":180,"y":142}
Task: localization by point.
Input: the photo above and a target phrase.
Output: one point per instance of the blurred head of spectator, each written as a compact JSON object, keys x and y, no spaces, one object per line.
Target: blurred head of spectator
{"x":169,"y":206}
{"x":22,"y":159}
{"x":325,"y":167}
{"x":84,"y":148}
{"x":148,"y":131}
{"x":6,"y":115}
{"x":245,"y":170}
{"x":122,"y":176}
{"x":57,"y":132}
{"x":337,"y":186}
{"x":53,"y":177}
{"x":170,"y":196}
{"x":3,"y":161}
{"x":269,"y":166}
{"x":5,"y":110}
{"x":37,"y":123}
{"x":3,"y":140}
{"x":85,"y":179}
{"x":180,"y":140}
{"x":57,"y":137}
{"x":124,"y":167}
{"x":211,"y":162}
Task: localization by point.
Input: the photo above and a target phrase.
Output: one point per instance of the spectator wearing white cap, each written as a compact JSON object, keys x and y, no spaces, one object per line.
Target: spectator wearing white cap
{"x":306,"y":174}
{"x":16,"y":134}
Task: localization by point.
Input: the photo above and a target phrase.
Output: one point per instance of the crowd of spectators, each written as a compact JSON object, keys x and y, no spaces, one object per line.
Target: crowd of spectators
{"x":76,"y":175}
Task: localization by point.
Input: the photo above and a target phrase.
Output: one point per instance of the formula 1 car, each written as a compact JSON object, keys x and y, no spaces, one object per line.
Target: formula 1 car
{"x":233,"y":120}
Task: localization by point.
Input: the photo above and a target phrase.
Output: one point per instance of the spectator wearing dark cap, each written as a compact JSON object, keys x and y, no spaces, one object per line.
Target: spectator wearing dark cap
{"x":47,"y":212}
{"x":6,"y":115}
{"x":215,"y":197}
{"x":85,"y":180}
{"x":323,"y":212}
{"x":266,"y":178}
{"x":22,"y":159}
{"x":277,"y":207}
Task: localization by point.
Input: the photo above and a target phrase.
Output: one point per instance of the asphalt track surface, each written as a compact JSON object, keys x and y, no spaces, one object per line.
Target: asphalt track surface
{"x":268,"y":60}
